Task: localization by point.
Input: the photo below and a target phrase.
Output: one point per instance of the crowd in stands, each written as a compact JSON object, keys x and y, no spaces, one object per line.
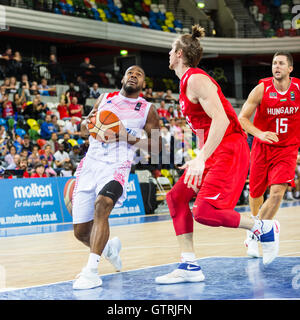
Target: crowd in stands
{"x":143,"y":14}
{"x":274,"y":17}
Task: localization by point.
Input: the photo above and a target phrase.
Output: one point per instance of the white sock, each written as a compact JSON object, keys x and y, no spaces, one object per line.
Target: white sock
{"x":93,"y":262}
{"x":188,"y":257}
{"x":297,"y":194}
{"x":289,"y":194}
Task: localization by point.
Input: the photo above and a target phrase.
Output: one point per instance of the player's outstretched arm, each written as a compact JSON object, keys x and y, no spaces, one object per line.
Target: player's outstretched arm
{"x":253,"y":101}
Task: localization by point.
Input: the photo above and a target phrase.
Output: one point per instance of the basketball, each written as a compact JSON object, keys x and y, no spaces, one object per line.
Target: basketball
{"x":103,"y":121}
{"x":68,"y":194}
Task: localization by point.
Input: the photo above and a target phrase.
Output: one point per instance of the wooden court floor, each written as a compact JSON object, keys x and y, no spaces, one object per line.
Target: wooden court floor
{"x":53,"y":257}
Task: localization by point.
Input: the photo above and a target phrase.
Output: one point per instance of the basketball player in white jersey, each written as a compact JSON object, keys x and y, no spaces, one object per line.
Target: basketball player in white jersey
{"x":102,"y":176}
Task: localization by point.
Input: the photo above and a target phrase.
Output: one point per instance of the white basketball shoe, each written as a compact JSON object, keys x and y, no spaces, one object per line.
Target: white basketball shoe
{"x":251,"y":244}
{"x":87,"y":279}
{"x":185,"y":272}
{"x":113,"y":253}
{"x":270,"y":240}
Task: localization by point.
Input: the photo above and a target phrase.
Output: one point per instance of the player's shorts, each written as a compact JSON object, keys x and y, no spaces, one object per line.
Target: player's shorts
{"x":270,"y":165}
{"x":91,"y":177}
{"x":225,"y":173}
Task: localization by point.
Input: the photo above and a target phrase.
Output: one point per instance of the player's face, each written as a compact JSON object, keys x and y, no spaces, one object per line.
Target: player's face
{"x":281,"y":68}
{"x":172,"y":57}
{"x":134,"y":79}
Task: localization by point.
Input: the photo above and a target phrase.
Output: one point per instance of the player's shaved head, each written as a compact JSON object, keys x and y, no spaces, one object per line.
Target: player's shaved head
{"x":136,"y":67}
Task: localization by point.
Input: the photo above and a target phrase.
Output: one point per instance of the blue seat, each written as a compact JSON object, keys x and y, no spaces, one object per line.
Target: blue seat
{"x":177,"y":24}
{"x":20,"y":132}
{"x":3,"y":123}
{"x":56,"y":10}
{"x":108,"y":14}
{"x":80,"y":141}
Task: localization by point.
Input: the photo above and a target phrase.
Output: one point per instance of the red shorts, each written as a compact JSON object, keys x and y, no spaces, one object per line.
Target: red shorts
{"x":225,"y":173}
{"x":270,"y":165}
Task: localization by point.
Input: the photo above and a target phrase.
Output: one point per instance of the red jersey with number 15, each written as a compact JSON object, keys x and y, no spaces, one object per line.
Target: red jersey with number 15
{"x":280,"y":112}
{"x":196,"y":117}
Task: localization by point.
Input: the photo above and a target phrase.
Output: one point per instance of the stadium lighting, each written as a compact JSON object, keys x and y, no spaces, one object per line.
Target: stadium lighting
{"x":200,"y":4}
{"x":123,"y":52}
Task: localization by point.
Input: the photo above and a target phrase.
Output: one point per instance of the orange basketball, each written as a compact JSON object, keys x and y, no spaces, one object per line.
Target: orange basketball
{"x":68,"y":194}
{"x":103,"y":121}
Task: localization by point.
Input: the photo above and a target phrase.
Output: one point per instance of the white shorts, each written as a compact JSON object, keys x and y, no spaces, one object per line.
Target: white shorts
{"x":91,"y":176}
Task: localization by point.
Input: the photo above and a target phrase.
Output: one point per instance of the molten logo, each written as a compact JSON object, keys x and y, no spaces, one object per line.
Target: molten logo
{"x":33,"y":191}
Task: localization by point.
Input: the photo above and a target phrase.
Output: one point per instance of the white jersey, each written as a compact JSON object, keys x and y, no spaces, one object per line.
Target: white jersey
{"x":133,"y":114}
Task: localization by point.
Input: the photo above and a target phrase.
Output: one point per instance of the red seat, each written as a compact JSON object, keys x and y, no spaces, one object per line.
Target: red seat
{"x":280,"y":32}
{"x":41,"y":142}
{"x":145,"y":7}
{"x":292,"y":32}
{"x":265,"y":25}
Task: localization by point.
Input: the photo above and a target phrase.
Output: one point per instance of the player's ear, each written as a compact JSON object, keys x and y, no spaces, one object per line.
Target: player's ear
{"x":144,"y":84}
{"x":122,"y":81}
{"x":179,"y":53}
{"x":291,"y":69}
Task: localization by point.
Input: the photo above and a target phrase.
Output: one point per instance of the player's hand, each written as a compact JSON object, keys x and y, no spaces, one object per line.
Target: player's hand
{"x":268,"y":136}
{"x":111,"y":136}
{"x":194,"y":171}
{"x":89,"y":116}
{"x":92,"y":113}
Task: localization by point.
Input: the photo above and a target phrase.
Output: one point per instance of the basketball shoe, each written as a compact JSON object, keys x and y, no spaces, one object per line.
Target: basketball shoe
{"x":87,"y":279}
{"x":113,"y":253}
{"x":185,"y":272}
{"x":269,"y":240}
{"x":251,"y":244}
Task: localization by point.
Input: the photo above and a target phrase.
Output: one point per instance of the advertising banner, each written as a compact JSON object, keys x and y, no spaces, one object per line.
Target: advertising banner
{"x":42,"y":201}
{"x":29,"y":202}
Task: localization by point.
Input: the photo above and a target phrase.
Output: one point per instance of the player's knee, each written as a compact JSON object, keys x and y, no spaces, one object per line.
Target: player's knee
{"x":201,"y":216}
{"x":277,"y":193}
{"x":103,"y":206}
{"x":81,"y":234}
{"x":174,"y":200}
{"x":207,"y":214}
{"x":175,"y":196}
{"x":276,"y":197}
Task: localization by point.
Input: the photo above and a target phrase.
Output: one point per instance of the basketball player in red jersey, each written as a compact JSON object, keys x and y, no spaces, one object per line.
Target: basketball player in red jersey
{"x":217,"y":175}
{"x":275,"y":128}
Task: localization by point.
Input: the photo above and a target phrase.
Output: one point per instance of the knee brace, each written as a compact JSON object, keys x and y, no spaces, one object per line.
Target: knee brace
{"x":207,"y":214}
{"x":113,"y":190}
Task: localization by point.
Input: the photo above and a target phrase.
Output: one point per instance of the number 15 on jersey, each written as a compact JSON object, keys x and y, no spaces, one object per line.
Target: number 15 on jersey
{"x":281,"y":125}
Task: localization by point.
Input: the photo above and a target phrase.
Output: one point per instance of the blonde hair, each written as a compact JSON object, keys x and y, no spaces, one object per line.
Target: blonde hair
{"x":190,"y":46}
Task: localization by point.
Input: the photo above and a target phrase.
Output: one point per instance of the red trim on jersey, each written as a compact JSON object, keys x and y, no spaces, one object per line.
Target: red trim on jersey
{"x":112,"y":94}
